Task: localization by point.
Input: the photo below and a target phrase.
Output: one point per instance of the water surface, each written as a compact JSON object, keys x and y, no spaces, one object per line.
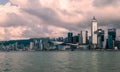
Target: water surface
{"x":62,"y":61}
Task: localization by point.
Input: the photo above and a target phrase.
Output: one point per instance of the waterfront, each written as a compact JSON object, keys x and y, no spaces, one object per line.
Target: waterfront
{"x":61,"y":61}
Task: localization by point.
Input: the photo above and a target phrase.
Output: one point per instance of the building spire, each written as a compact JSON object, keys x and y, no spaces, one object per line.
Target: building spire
{"x":94,"y":18}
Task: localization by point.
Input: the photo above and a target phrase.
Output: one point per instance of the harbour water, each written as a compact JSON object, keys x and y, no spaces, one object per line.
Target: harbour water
{"x":62,"y":61}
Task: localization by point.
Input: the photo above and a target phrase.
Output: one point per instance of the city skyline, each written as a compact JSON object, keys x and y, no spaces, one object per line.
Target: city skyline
{"x":21,"y":19}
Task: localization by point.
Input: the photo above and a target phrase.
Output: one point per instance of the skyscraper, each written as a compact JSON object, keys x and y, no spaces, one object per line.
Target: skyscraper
{"x":84,"y":37}
{"x":80,"y":39}
{"x":100,"y":34}
{"x":70,"y":37}
{"x":112,"y":32}
{"x":111,"y":38}
{"x":41,"y":45}
{"x":93,"y":31}
{"x":31,"y":45}
{"x":75,"y":39}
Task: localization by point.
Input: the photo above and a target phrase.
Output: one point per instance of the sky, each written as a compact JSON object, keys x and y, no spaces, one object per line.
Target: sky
{"x":21,"y":19}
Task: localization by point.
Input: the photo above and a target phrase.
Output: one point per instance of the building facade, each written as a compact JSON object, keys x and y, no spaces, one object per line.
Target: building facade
{"x":111,"y":38}
{"x":100,"y":34}
{"x":70,"y":37}
{"x":93,"y":30}
{"x":84,"y":37}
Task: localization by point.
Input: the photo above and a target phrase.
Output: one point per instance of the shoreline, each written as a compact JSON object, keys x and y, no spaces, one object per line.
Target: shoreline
{"x":65,"y":50}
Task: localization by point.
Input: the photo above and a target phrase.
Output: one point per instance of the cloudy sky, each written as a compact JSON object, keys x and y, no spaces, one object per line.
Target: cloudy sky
{"x":20,"y":19}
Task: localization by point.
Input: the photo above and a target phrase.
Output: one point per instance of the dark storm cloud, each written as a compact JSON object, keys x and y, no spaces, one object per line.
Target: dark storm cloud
{"x":104,"y":3}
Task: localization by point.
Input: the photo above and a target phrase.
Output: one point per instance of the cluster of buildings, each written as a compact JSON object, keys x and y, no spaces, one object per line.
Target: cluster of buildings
{"x":32,"y":44}
{"x":97,"y":40}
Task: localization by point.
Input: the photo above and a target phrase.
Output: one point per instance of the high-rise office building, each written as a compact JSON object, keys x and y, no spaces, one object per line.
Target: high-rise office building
{"x":16,"y":46}
{"x":31,"y":45}
{"x":70,"y":34}
{"x":60,"y":39}
{"x":110,"y":42}
{"x":100,"y":34}
{"x":112,"y":32}
{"x":89,"y":42}
{"x":70,"y":37}
{"x":111,"y":38}
{"x":93,"y":30}
{"x":84,"y":37}
{"x":75,"y":39}
{"x":41,"y":45}
{"x":80,"y":39}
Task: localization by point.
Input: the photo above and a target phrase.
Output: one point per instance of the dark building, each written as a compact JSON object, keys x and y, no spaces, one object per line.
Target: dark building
{"x":60,"y":39}
{"x":110,"y":42}
{"x":111,"y":38}
{"x":112,"y":32}
{"x":117,"y":44}
{"x":100,"y":34}
{"x":75,"y":39}
{"x":70,"y":37}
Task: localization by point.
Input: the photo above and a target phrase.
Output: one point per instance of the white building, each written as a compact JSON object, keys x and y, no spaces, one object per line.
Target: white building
{"x":31,"y":45}
{"x":93,"y":30}
{"x":41,"y":45}
{"x":83,"y":37}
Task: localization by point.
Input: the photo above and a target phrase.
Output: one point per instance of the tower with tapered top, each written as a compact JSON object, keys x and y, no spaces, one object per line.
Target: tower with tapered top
{"x":94,"y":28}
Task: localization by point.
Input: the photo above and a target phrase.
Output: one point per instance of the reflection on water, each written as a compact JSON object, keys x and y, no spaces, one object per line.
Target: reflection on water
{"x":76,"y":61}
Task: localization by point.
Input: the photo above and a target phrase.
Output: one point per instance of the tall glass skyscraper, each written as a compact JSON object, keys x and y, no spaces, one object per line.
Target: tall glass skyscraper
{"x":111,"y":37}
{"x":93,"y":31}
{"x":70,"y":37}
